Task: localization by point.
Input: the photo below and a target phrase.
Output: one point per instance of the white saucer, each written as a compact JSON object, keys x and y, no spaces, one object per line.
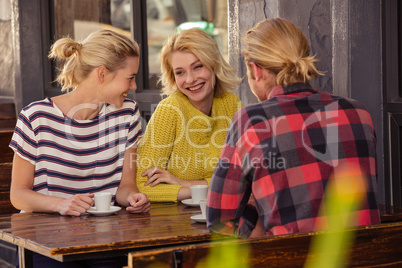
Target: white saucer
{"x":198,"y":218}
{"x":113,"y":209}
{"x":189,"y":202}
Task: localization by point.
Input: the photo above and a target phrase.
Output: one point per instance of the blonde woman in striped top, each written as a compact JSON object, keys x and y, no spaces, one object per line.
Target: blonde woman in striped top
{"x":76,"y":144}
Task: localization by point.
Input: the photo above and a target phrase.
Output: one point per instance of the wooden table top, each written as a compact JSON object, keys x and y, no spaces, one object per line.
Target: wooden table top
{"x":67,"y":238}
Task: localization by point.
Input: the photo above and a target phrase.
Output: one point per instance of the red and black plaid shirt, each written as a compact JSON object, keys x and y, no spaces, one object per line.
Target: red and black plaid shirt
{"x":282,"y":152}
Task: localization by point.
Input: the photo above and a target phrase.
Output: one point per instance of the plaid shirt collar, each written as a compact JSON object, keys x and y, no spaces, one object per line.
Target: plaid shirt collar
{"x":296,"y":88}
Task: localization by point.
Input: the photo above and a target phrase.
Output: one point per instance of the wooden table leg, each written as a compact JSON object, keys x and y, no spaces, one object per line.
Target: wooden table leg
{"x":177,"y":258}
{"x":25,"y":257}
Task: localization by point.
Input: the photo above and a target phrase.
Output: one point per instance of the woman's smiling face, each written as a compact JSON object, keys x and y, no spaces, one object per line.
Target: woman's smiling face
{"x":121,"y":82}
{"x":193,"y":79}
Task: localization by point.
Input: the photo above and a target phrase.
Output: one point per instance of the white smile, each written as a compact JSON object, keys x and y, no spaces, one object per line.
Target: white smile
{"x":124,"y":94}
{"x":196,"y":87}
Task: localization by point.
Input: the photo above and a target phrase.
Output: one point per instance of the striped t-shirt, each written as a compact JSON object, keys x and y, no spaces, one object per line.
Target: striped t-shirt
{"x":76,"y":156}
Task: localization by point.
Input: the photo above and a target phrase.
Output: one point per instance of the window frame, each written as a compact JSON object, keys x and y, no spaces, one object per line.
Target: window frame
{"x":47,"y":8}
{"x":138,"y":31}
{"x":392,"y":101}
{"x":146,"y":98}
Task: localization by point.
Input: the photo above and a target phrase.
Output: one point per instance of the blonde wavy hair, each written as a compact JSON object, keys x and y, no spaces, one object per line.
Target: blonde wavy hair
{"x":102,"y":48}
{"x":281,"y":47}
{"x":206,"y":50}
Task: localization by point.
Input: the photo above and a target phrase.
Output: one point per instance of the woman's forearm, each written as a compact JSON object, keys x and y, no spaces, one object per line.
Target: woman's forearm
{"x":123,"y":192}
{"x":30,"y":201}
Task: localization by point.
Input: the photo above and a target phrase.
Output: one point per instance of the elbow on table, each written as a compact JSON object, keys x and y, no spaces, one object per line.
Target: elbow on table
{"x":15,"y":199}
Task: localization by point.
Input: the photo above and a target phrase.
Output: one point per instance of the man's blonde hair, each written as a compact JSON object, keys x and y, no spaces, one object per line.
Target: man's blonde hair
{"x":281,"y":47}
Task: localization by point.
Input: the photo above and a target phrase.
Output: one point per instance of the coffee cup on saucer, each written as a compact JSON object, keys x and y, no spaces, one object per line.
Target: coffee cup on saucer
{"x":203,"y":206}
{"x":198,"y":192}
{"x":102,"y":201}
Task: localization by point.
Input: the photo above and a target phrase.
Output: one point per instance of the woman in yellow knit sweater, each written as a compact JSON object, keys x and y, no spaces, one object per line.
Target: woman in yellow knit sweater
{"x":185,"y":135}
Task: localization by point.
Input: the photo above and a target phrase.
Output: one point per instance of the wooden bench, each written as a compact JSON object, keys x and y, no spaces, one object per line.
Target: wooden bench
{"x":8,"y":252}
{"x":6,"y":159}
{"x":8,"y":116}
{"x":7,"y":124}
{"x":374,"y":246}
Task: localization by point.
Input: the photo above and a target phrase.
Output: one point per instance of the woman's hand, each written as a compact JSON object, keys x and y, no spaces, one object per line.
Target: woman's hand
{"x":258,"y":231}
{"x":139,"y":203}
{"x":156,"y":175}
{"x":76,"y":205}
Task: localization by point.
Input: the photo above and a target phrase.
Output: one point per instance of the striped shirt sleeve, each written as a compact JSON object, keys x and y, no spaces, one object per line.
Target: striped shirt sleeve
{"x":24,"y":140}
{"x":135,"y":129}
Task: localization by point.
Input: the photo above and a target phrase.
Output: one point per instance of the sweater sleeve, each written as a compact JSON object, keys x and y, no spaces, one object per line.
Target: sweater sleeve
{"x":156,"y":147}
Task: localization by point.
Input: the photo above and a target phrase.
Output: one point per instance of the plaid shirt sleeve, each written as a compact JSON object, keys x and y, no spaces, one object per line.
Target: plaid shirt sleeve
{"x":229,"y":211}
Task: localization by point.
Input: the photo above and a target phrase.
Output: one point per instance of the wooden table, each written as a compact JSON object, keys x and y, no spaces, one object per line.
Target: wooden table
{"x":66,"y":238}
{"x":373,"y":246}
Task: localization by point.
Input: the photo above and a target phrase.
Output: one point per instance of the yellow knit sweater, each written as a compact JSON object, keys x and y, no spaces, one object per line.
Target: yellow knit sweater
{"x":184,"y":141}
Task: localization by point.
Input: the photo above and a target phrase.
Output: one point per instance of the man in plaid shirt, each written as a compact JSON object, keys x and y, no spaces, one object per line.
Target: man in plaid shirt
{"x":279,"y":154}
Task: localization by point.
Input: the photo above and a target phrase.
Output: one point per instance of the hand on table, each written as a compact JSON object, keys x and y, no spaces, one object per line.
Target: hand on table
{"x":76,"y":205}
{"x":258,"y":231}
{"x":156,"y":175}
{"x":139,"y":203}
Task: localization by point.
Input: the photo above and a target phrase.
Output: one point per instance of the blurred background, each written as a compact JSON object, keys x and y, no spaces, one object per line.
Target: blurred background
{"x":78,"y":18}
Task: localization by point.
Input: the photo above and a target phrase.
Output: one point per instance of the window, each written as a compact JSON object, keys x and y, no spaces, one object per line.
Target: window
{"x":164,"y":16}
{"x":149,"y":22}
{"x":76,"y":19}
{"x":392,"y":101}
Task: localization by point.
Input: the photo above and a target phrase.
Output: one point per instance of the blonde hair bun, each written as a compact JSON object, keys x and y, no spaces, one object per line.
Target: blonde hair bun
{"x":102,"y":48}
{"x":281,"y":47}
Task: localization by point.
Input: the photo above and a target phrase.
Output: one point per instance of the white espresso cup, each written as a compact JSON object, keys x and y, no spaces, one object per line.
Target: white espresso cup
{"x":198,"y":192}
{"x":203,"y":206}
{"x":102,"y":201}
